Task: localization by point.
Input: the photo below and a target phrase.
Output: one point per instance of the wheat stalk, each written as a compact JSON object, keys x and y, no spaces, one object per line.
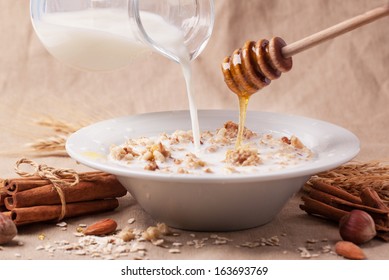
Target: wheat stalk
{"x":53,"y":145}
{"x":353,"y":177}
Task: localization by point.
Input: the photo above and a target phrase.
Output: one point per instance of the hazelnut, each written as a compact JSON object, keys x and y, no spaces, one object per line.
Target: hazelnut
{"x":8,"y":229}
{"x":357,"y":227}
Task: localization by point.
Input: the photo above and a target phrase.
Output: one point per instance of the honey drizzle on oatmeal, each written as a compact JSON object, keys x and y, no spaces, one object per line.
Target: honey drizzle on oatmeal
{"x":251,"y":68}
{"x":243,"y":103}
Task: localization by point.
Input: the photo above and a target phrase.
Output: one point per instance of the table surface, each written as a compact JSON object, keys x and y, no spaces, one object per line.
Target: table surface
{"x":293,"y":234}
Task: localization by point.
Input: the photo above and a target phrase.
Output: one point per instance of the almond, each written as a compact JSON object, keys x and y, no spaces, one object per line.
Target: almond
{"x":349,"y":250}
{"x":102,"y":227}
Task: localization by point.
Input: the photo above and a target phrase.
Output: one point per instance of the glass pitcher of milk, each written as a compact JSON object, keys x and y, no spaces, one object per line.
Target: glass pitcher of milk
{"x":102,"y":35}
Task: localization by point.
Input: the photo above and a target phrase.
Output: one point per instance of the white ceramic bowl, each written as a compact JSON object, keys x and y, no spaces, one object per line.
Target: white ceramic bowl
{"x":213,"y":202}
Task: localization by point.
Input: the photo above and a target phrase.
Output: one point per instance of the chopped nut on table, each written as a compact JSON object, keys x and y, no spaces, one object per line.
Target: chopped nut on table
{"x":152,"y":233}
{"x":126,"y":234}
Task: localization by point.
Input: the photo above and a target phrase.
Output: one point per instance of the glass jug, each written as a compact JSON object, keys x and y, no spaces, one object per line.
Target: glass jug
{"x":102,"y":35}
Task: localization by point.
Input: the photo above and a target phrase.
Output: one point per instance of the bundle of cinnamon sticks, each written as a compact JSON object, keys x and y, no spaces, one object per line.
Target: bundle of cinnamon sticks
{"x":330,"y":202}
{"x":32,"y":199}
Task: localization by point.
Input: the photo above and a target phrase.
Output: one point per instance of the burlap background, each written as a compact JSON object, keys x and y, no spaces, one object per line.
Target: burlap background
{"x":345,"y":81}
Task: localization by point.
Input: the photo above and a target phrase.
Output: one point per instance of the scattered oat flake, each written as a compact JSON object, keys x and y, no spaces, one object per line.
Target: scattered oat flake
{"x":18,"y":255}
{"x":82,"y":225}
{"x":20,"y":243}
{"x":96,"y":255}
{"x":310,"y":247}
{"x":137,"y":248}
{"x":250,"y":244}
{"x":304,"y":253}
{"x":61,"y":224}
{"x":64,"y":228}
{"x":78,"y":234}
{"x":199,"y":243}
{"x":312,"y":241}
{"x":272,"y":241}
{"x":192,"y":235}
{"x":158,"y":242}
{"x":131,"y":221}
{"x":39,"y":248}
{"x":142,"y":253}
{"x":326,"y":249}
{"x":220,"y":242}
{"x":174,"y":251}
{"x":80,"y":252}
{"x":177,"y":244}
{"x":48,"y":247}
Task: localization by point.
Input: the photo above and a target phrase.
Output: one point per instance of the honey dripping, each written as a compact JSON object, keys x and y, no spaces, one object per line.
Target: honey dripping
{"x":251,"y":68}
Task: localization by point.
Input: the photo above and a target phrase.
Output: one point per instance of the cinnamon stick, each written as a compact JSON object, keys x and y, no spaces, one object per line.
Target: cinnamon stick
{"x":104,"y":187}
{"x":383,"y":236}
{"x":344,"y":204}
{"x":26,"y":183}
{"x":370,"y":197}
{"x":3,"y":195}
{"x":321,"y":186}
{"x":28,"y":215}
{"x":315,"y":207}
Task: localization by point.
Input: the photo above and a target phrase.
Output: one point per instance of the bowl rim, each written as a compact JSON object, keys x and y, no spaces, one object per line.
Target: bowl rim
{"x":308,"y":169}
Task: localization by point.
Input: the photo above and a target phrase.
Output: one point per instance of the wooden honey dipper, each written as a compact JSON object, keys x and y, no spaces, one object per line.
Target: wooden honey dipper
{"x":253,"y":66}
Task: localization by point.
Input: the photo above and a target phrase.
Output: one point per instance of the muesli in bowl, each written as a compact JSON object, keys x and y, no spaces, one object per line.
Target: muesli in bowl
{"x":175,"y":153}
{"x":212,"y":189}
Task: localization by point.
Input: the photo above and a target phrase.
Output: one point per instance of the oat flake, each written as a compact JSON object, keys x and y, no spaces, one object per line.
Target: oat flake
{"x":174,"y":251}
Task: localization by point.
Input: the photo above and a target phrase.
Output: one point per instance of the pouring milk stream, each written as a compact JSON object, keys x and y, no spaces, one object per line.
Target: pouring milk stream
{"x":103,"y":39}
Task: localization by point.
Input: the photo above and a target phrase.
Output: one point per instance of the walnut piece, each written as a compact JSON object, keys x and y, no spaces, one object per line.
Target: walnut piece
{"x":294,"y":141}
{"x":232,"y":131}
{"x":151,"y":166}
{"x":193,"y":162}
{"x":243,"y":157}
